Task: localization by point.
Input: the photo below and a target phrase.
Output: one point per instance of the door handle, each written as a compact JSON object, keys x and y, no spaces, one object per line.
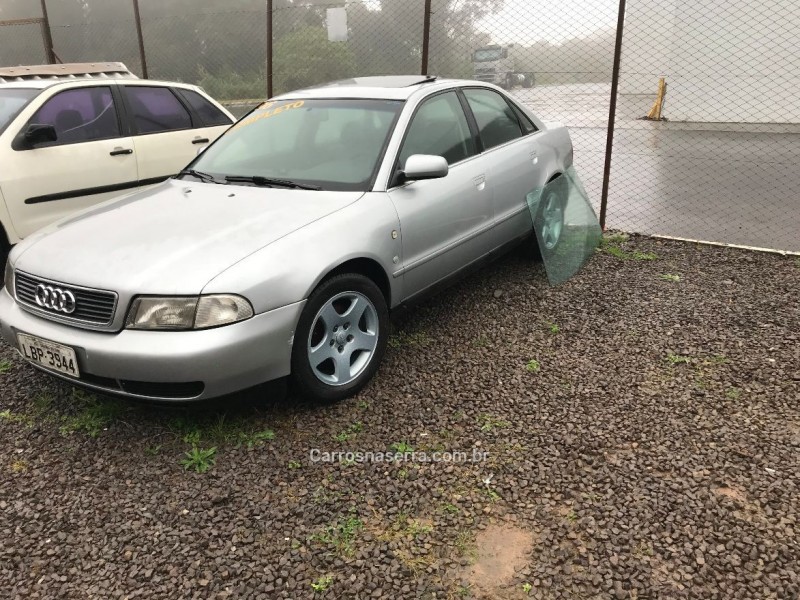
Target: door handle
{"x":118,"y":151}
{"x":200,"y":141}
{"x":480,"y":182}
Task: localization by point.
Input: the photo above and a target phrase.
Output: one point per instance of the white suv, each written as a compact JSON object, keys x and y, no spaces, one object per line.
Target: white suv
{"x":74,"y":135}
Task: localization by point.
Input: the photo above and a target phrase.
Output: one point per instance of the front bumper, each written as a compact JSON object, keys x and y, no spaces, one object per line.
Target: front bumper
{"x":168,"y":365}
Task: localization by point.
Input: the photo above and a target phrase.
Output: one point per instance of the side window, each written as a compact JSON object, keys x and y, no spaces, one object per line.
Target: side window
{"x":156,"y":109}
{"x":208,"y":113}
{"x":496,"y":120}
{"x":440,"y":128}
{"x":80,"y":115}
{"x":524,"y":121}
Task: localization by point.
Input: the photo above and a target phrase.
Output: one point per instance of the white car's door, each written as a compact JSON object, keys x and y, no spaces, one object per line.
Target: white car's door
{"x":90,"y":161}
{"x":445,"y":223}
{"x":168,"y":129}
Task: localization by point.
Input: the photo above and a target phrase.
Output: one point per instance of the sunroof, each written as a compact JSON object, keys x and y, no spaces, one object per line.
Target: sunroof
{"x":385,"y":81}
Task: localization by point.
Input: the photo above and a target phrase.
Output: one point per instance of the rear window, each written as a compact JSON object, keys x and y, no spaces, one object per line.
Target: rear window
{"x":156,"y":109}
{"x":12,"y":101}
{"x":208,"y":113}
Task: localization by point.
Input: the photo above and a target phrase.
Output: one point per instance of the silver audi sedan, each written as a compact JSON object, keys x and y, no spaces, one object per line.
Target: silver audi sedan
{"x":281,"y":249}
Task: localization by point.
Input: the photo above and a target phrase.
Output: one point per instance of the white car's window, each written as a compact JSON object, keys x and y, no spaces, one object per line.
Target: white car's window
{"x":440,"y":128}
{"x":156,"y":109}
{"x":210,"y":114}
{"x":497,"y":122}
{"x":334,"y":144}
{"x":80,"y":115}
{"x":12,"y":101}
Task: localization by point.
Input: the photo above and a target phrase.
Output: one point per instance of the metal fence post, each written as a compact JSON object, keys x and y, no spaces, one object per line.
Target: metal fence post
{"x":612,"y":113}
{"x":426,"y":37}
{"x":269,"y":49}
{"x":48,"y":36}
{"x":138,"y":18}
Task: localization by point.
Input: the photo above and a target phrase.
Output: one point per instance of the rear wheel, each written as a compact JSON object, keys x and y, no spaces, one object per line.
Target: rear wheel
{"x":528,"y":80}
{"x":549,"y":221}
{"x":340,"y":339}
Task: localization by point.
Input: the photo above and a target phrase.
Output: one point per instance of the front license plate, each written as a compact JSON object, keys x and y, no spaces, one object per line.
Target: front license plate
{"x":49,"y":354}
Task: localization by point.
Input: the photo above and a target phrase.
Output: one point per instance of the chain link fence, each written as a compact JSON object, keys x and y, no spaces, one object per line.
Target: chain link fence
{"x":21,"y":42}
{"x":716,"y":160}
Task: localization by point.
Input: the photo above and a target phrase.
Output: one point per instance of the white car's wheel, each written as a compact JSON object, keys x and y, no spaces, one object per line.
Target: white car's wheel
{"x":340,"y":338}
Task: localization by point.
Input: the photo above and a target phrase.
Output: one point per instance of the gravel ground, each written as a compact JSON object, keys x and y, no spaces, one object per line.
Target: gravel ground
{"x":642,"y":434}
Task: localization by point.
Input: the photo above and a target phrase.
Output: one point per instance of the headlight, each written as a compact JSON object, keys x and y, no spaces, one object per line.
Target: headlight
{"x":9,"y":278}
{"x":187,"y":312}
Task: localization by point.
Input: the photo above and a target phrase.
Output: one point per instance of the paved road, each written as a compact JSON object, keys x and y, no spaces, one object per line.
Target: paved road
{"x":737,"y":186}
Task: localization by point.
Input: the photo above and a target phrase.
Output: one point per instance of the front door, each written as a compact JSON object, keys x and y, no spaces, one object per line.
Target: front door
{"x":444,"y":222}
{"x":88,"y":163}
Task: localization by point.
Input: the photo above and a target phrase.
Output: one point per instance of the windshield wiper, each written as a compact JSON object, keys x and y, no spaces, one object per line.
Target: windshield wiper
{"x":204,"y":177}
{"x":270,"y":181}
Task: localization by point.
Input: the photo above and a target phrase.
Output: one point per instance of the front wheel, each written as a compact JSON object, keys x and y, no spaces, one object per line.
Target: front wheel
{"x":340,"y":339}
{"x":528,"y":80}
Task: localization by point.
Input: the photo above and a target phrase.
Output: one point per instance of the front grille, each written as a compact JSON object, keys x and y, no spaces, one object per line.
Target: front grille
{"x":91,"y":306}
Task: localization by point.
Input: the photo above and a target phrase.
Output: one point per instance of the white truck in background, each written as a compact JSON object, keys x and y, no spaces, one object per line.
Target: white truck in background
{"x":499,"y":65}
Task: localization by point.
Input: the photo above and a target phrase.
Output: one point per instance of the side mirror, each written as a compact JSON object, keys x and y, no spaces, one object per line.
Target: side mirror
{"x":425,"y":166}
{"x":37,"y":134}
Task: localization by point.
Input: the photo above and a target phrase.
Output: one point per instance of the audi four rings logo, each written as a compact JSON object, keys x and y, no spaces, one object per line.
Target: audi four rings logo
{"x":55,"y":299}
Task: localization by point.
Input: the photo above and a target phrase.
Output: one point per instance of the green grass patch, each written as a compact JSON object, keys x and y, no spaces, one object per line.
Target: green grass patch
{"x":670,"y":277}
{"x":533,"y":366}
{"x":5,"y":366}
{"x":199,"y":460}
{"x":341,"y":535}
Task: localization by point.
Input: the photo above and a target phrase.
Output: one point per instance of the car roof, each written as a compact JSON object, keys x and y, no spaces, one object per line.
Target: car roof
{"x":381,"y":87}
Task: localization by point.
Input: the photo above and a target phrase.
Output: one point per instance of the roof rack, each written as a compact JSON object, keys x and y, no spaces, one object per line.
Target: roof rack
{"x":424,"y":79}
{"x":102,"y":70}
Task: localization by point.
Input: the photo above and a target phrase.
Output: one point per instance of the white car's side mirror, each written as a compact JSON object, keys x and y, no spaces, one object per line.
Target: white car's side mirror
{"x":425,"y":166}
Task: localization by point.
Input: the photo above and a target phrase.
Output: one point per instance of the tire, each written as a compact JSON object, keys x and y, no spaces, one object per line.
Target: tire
{"x":328,"y":364}
{"x":550,"y":219}
{"x":509,"y":81}
{"x":528,"y":81}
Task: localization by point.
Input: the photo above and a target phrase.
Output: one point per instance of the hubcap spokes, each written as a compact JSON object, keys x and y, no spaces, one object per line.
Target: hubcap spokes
{"x":343,"y":338}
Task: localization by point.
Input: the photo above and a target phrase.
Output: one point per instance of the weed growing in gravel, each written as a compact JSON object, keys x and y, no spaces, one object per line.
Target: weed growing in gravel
{"x":669,"y":277}
{"x":463,"y":591}
{"x":488,"y":422}
{"x":93,"y":416}
{"x":677,"y":359}
{"x":402,"y":447}
{"x":350,"y":432}
{"x":533,"y":366}
{"x":363,"y":404}
{"x":19,"y":466}
{"x":153,"y":450}
{"x":341,"y":535}
{"x":5,"y":366}
{"x":572,"y":516}
{"x":294,"y":464}
{"x":256,"y":438}
{"x":199,"y":459}
{"x":554,"y":329}
{"x":416,"y":528}
{"x":733,"y":393}
{"x":12,"y":417}
{"x":480,"y":342}
{"x":449,"y":508}
{"x":401,"y":338}
{"x":527,"y":587}
{"x":465,"y":545}
{"x":322,"y":584}
{"x":614,"y":238}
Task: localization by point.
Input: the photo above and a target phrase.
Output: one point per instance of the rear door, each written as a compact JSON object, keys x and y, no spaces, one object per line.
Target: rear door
{"x":167,"y":130}
{"x":444,"y":222}
{"x":510,"y":147}
{"x":91,"y":161}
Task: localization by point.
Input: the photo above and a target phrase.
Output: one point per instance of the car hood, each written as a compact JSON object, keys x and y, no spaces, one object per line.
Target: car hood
{"x":173,"y":238}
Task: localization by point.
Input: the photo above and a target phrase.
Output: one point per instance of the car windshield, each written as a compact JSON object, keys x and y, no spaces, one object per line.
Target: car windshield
{"x":330,"y":144}
{"x":12,"y":101}
{"x":488,"y":54}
